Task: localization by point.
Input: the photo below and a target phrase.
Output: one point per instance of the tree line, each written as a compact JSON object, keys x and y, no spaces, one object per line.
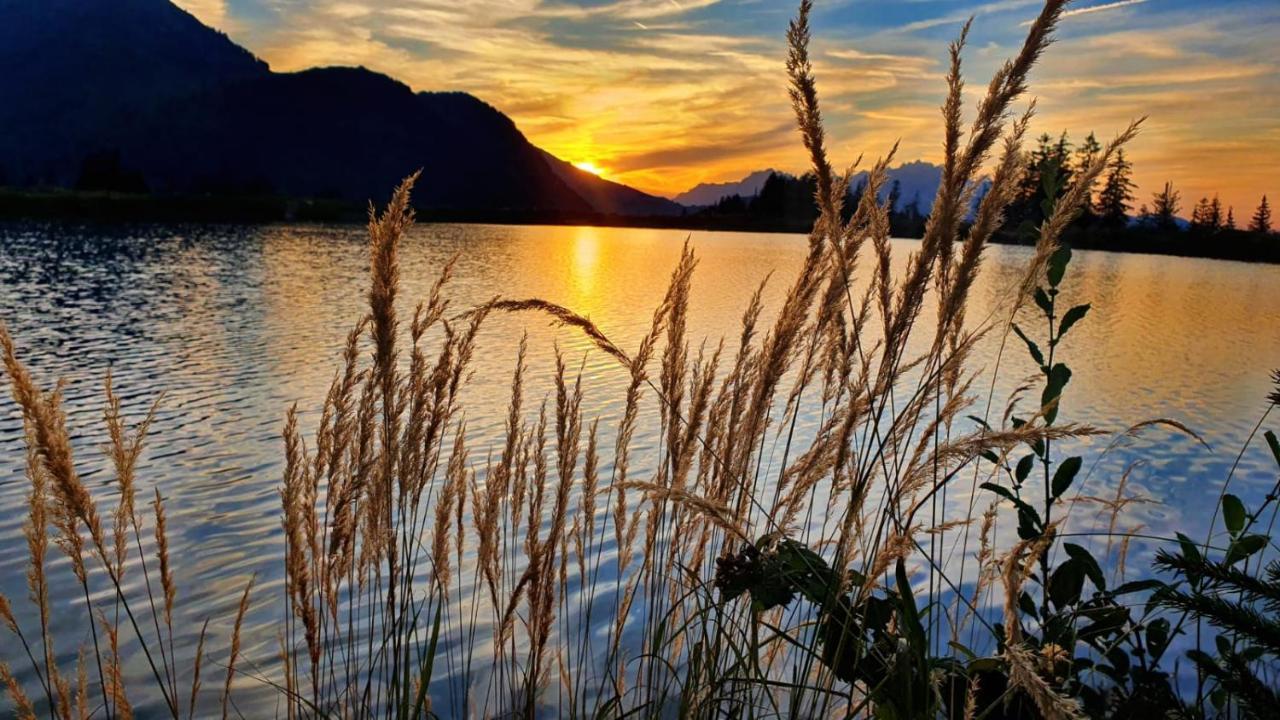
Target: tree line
{"x":1113,"y":219}
{"x":1111,"y":222}
{"x":785,"y":202}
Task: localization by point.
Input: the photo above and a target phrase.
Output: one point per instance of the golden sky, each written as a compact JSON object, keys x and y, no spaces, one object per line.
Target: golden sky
{"x":664,"y":94}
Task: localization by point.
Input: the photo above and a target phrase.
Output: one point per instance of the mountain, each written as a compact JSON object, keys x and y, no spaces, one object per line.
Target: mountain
{"x":917,"y":182}
{"x":607,"y":196}
{"x":138,"y":95}
{"x":706,"y":194}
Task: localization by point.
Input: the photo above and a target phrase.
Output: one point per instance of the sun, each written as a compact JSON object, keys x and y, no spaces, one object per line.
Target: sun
{"x":590,"y":167}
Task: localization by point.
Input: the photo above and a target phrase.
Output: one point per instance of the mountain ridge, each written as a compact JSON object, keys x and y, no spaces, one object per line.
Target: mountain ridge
{"x":142,"y":97}
{"x":918,"y":182}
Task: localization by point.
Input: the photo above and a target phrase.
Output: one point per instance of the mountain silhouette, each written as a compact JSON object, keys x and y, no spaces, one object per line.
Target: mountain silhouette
{"x":917,"y":181}
{"x":704,"y":194}
{"x":138,"y":95}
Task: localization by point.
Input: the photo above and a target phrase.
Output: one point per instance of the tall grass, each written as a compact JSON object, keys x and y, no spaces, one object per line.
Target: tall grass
{"x":756,"y":571}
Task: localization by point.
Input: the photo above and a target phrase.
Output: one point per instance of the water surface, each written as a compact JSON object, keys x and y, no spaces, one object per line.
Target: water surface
{"x":234,"y":324}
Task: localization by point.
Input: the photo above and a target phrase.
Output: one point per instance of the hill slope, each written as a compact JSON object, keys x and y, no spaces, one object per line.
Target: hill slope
{"x":139,"y":95}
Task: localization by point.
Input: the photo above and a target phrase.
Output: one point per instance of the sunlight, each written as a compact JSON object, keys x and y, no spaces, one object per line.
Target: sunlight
{"x":590,"y":167}
{"x":584,"y":266}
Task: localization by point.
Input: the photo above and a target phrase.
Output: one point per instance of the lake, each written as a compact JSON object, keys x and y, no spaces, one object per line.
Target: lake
{"x":232,"y":325}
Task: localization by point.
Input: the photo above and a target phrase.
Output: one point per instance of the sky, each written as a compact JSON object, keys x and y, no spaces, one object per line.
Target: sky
{"x":665,"y":94}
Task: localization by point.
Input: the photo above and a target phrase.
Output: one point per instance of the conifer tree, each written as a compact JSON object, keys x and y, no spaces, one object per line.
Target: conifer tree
{"x":1166,"y":204}
{"x":1231,"y":218}
{"x":1061,"y":155}
{"x":1085,"y":155}
{"x":1261,"y":222}
{"x":1200,"y":221}
{"x":1036,"y":159}
{"x":1117,"y":192}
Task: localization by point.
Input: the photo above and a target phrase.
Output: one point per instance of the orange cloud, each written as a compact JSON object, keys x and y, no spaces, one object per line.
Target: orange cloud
{"x":660,"y":97}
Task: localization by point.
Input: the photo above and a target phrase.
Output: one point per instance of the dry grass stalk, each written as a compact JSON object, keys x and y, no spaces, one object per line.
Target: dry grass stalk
{"x":714,"y":512}
{"x":383,"y":471}
{"x":22,"y":708}
{"x":195,"y":670}
{"x":115,"y":678}
{"x":234,"y":656}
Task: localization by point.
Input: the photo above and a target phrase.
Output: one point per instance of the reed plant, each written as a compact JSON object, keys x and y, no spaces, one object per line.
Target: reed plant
{"x":753,"y":569}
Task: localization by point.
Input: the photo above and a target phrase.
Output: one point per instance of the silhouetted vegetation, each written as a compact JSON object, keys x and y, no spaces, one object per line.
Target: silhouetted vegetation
{"x":1109,"y":220}
{"x":1112,"y":222}
{"x":786,"y":203}
{"x":722,"y":585}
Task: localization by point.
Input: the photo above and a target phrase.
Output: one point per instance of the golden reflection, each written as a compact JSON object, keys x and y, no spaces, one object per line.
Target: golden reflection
{"x":584,"y":267}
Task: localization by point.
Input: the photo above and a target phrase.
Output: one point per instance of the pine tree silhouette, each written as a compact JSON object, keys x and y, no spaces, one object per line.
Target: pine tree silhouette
{"x":1261,"y":222}
{"x":1117,"y":192}
{"x":1166,"y":204}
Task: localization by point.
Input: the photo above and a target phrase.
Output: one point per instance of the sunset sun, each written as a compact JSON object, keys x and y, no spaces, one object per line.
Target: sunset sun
{"x":590,"y":167}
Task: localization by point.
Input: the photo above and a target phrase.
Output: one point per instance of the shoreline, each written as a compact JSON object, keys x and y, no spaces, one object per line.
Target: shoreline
{"x":18,"y":207}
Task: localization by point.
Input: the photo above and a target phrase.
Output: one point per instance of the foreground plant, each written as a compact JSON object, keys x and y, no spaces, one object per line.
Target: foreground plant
{"x":1239,"y":596}
{"x":101,"y":557}
{"x":566,"y":573}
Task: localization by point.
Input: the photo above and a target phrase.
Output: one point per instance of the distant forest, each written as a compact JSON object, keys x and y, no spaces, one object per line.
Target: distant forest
{"x":1114,"y":219}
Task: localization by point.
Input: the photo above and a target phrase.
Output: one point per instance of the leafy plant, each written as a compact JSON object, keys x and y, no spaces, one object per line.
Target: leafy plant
{"x":1239,"y":600}
{"x":1076,"y":610}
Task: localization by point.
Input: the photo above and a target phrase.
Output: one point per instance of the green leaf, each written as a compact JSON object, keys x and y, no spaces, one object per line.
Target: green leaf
{"x":1043,"y":302}
{"x":1137,"y":586}
{"x":1233,"y":514}
{"x":1158,"y":636}
{"x":1000,"y":490}
{"x":1244,"y":547}
{"x":1027,"y":605}
{"x":1031,"y":346}
{"x":1024,"y":468}
{"x":1007,"y":494}
{"x":1091,"y":568}
{"x":1189,"y":550}
{"x":1224,"y":645}
{"x":1064,"y":475}
{"x":1028,"y":523}
{"x":1066,"y":583}
{"x":1071,"y":317}
{"x":1059,"y":376}
{"x":979,"y":422}
{"x":1275,"y":444}
{"x":1058,"y":264}
{"x":1120,"y":659}
{"x":1108,"y":620}
{"x":909,"y":615}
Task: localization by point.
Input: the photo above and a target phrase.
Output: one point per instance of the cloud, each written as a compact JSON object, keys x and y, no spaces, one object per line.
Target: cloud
{"x":1096,"y":8}
{"x":210,"y":12}
{"x":664,"y":94}
{"x":959,"y":17}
